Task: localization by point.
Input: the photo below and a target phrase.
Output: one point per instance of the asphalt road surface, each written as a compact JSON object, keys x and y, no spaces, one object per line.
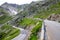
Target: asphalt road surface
{"x":22,"y":34}
{"x":52,"y":30}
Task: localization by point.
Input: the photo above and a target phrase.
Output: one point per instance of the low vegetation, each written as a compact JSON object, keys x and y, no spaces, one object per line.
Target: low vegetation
{"x":5,"y":16}
{"x":26,"y":22}
{"x":4,"y":19}
{"x":35,"y":30}
{"x":7,"y":32}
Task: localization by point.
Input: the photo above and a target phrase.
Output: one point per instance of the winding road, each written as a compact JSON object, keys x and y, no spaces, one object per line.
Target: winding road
{"x":22,"y":35}
{"x":52,"y":30}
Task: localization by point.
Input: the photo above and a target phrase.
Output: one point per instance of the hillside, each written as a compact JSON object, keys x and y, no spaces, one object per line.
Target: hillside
{"x":4,"y":16}
{"x":40,"y":9}
{"x":37,"y":9}
{"x":29,"y":18}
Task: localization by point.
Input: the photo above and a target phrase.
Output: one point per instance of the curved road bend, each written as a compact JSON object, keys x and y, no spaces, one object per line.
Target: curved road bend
{"x":22,"y":34}
{"x":53,"y":30}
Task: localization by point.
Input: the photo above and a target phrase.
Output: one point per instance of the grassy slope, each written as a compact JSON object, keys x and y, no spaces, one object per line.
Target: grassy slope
{"x":7,"y":32}
{"x":26,"y":22}
{"x":5,"y":16}
{"x":4,"y":19}
{"x":34,"y":31}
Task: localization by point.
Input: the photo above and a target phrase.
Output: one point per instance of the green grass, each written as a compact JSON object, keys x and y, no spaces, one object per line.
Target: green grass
{"x":26,"y":22}
{"x":7,"y":32}
{"x":37,"y":27}
{"x":56,"y":8}
{"x":5,"y":16}
{"x":12,"y":34}
{"x":4,"y":19}
{"x":34,"y":31}
{"x":42,"y":16}
{"x":33,"y":37}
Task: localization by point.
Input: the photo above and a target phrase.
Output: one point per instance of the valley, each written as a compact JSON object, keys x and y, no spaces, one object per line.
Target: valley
{"x":30,"y":21}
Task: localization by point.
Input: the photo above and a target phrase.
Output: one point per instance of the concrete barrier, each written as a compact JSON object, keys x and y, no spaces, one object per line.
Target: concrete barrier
{"x":42,"y":32}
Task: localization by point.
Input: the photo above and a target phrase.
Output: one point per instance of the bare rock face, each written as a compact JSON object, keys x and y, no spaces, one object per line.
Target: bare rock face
{"x":54,"y":17}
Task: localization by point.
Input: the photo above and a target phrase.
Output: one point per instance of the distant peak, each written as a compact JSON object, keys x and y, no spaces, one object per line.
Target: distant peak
{"x":5,"y":3}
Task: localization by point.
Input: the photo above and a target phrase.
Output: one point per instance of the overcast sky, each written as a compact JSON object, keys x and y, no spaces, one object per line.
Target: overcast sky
{"x":16,"y":1}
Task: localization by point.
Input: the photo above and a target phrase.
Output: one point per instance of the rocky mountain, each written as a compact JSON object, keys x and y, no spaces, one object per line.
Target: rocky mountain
{"x":13,"y":9}
{"x":54,"y":17}
{"x":29,"y":9}
{"x":40,"y":6}
{"x":33,"y":7}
